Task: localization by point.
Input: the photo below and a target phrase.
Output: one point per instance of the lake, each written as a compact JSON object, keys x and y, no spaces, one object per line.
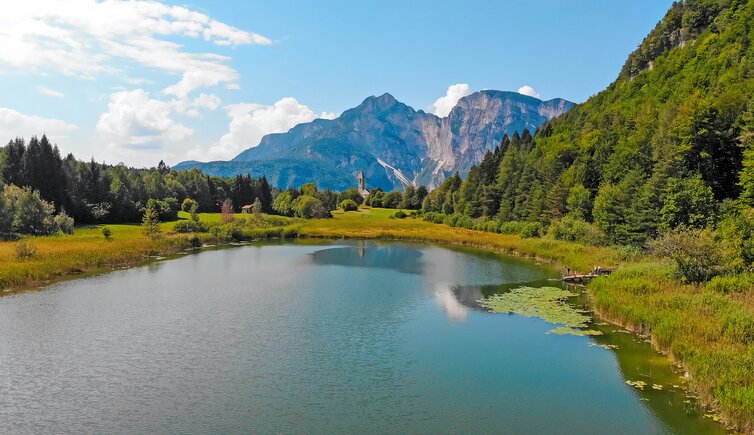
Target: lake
{"x":323,"y":337}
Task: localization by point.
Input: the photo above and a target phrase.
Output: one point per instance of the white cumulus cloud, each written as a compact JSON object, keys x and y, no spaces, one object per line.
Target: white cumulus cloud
{"x":528,"y":90}
{"x":13,"y":123}
{"x":81,"y":37}
{"x":207,"y":101}
{"x":249,"y":122}
{"x":444,"y":105}
{"x":140,"y":130}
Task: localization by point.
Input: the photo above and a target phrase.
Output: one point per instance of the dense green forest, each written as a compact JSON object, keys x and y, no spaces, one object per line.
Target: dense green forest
{"x":669,"y":145}
{"x":38,"y":178}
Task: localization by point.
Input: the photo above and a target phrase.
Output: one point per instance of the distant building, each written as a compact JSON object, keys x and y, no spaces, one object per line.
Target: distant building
{"x":362,"y":185}
{"x":246,"y":209}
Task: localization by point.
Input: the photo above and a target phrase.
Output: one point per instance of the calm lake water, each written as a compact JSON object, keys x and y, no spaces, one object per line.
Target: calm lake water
{"x":321,"y":338}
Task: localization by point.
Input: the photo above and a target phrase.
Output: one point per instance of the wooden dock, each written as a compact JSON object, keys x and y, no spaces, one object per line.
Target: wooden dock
{"x":580,"y":279}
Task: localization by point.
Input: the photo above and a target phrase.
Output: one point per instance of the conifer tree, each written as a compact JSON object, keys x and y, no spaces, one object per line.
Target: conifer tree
{"x":150,"y":222}
{"x":265,"y":194}
{"x":256,"y":207}
{"x":13,"y":169}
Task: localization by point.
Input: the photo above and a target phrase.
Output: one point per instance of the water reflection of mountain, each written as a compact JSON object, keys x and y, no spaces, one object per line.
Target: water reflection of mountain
{"x":394,"y":257}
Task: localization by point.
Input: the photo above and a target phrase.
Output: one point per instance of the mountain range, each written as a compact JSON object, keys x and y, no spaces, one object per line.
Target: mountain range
{"x":395,"y":145}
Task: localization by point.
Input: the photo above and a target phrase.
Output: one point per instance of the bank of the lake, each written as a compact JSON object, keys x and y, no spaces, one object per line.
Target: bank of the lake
{"x":88,"y":252}
{"x":711,"y":335}
{"x":325,"y":336}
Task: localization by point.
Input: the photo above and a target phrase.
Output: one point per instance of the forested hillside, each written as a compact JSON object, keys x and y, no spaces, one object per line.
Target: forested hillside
{"x":669,"y":144}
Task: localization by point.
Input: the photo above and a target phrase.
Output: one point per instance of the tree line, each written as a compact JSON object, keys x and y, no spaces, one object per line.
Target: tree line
{"x":92,"y":192}
{"x":42,"y":188}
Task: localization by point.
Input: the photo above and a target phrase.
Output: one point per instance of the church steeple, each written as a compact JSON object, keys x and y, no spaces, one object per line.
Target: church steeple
{"x":362,"y":184}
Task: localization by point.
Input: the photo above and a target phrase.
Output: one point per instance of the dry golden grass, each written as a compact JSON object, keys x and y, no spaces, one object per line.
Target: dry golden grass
{"x":84,"y":252}
{"x":377,"y":224}
{"x":87,"y":251}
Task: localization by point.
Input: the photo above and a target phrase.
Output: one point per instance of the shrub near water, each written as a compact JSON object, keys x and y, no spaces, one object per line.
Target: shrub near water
{"x":25,"y":249}
{"x":189,"y":226}
{"x":743,"y":283}
{"x":309,"y":207}
{"x":698,"y":254}
{"x":349,"y":205}
{"x":520,"y":228}
{"x":64,"y":223}
{"x":523,"y":229}
{"x":573,"y":229}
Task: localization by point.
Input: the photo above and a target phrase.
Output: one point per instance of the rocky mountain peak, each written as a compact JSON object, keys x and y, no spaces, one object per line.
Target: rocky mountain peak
{"x":391,"y":142}
{"x":378,"y":103}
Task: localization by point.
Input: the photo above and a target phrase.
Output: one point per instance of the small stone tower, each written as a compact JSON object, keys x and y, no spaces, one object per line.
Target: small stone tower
{"x":362,"y":184}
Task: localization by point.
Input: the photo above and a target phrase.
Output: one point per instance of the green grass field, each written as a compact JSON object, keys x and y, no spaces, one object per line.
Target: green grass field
{"x":711,"y":334}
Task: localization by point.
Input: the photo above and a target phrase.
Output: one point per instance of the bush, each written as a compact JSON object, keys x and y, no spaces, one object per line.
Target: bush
{"x":352,"y":194}
{"x":107,"y":233}
{"x":25,"y":249}
{"x":167,"y":209}
{"x":698,"y":255}
{"x":392,"y":200}
{"x":188,"y":204}
{"x":283,"y":204}
{"x":227,"y":232}
{"x":573,"y":229}
{"x":375,"y":197}
{"x":32,"y":214}
{"x":349,"y":205}
{"x":309,"y":207}
{"x":400,"y":214}
{"x":737,"y":229}
{"x":521,"y":228}
{"x":233,"y":232}
{"x":195,"y":242}
{"x":189,"y":227}
{"x":434,"y":217}
{"x":64,"y":223}
{"x":266,"y":221}
{"x":743,"y":283}
{"x":628,"y":252}
{"x":289,"y":233}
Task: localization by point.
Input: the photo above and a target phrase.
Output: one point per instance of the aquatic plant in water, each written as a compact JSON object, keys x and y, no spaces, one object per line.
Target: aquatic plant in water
{"x":547,"y":303}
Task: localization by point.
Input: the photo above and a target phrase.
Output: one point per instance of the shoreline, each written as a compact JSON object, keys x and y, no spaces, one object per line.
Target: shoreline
{"x":552,"y":253}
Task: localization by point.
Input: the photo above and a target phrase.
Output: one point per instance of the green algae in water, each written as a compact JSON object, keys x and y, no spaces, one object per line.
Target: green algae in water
{"x":547,"y":303}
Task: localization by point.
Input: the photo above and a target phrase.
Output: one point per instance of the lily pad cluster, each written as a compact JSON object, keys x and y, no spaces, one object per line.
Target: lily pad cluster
{"x":547,"y":303}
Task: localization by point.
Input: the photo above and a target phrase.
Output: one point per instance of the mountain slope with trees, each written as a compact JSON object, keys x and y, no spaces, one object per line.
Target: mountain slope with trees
{"x":668,"y":144}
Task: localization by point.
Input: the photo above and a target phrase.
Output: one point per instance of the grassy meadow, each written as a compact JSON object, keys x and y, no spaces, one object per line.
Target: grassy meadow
{"x":708,"y":329}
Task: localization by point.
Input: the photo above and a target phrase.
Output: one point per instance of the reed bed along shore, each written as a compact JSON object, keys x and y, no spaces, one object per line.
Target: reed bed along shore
{"x":708,"y":329}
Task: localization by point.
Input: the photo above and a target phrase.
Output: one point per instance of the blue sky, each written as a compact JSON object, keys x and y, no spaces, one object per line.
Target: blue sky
{"x":139,"y":81}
